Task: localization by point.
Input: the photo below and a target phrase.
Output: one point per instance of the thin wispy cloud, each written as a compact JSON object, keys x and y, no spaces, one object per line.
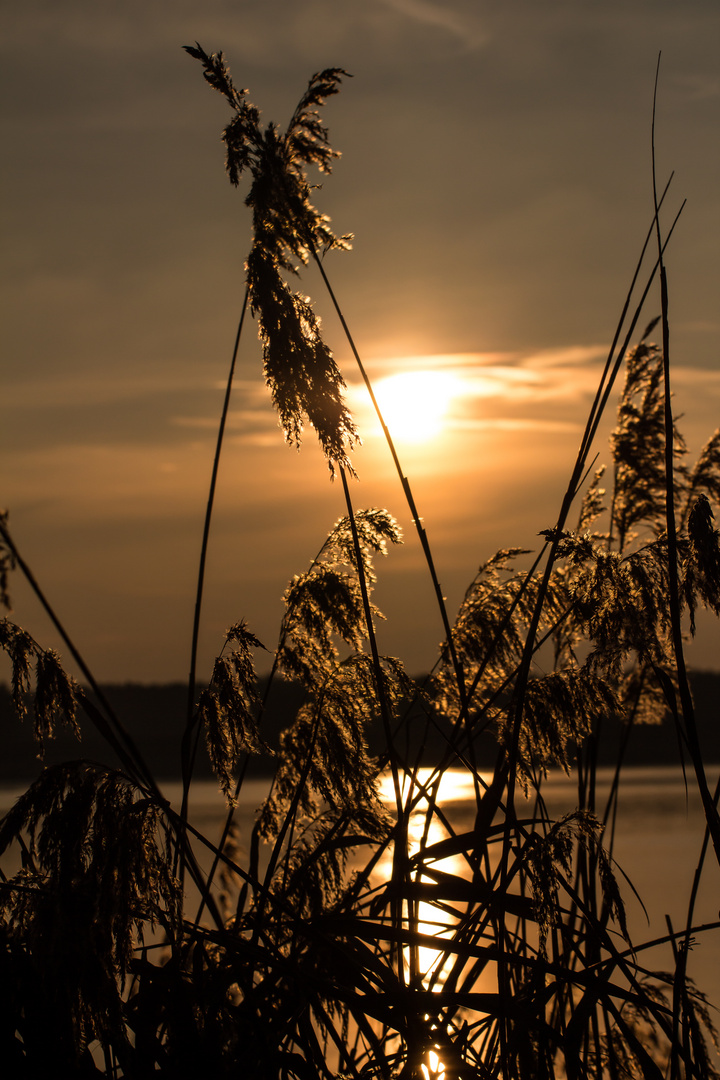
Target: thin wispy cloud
{"x":549,"y":390}
{"x":102,"y":388}
{"x":255,"y":427}
{"x":698,"y":87}
{"x":694,"y":377}
{"x":459,"y":20}
{"x":506,"y":424}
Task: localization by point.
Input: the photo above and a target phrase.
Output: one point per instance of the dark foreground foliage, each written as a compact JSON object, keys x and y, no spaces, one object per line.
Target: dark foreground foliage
{"x":340,"y":938}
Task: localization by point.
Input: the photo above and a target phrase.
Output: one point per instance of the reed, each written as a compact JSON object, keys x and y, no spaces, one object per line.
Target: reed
{"x":353,"y":940}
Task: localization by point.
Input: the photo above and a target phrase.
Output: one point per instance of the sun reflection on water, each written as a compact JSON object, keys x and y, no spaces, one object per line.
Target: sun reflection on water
{"x":425,"y":830}
{"x":434,"y":1070}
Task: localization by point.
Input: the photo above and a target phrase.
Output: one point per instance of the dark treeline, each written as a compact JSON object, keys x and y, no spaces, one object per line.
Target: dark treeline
{"x":154,"y":716}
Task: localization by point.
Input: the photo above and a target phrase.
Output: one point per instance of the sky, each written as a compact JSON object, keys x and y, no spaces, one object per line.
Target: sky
{"x":496,"y":175}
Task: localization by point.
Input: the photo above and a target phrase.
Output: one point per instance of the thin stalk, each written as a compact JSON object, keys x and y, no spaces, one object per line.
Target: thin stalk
{"x":687,"y":943}
{"x":188,"y":752}
{"x":572,"y":489}
{"x":611,"y":368}
{"x":109,"y":726}
{"x":416,"y":518}
{"x":686,"y":702}
{"x":570,"y":494}
{"x":400,"y":848}
{"x":380,"y":685}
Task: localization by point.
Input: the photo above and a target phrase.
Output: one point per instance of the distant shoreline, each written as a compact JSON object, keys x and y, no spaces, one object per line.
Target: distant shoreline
{"x":154,"y":716}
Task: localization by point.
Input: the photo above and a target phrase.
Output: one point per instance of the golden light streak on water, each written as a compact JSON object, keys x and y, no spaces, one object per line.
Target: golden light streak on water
{"x":434,"y":1070}
{"x":425,"y":830}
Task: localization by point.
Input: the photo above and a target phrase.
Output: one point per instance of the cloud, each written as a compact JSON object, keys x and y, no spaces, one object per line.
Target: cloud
{"x":248,"y":426}
{"x":462,"y":24}
{"x":561,"y":375}
{"x":546,"y":392}
{"x":701,"y":326}
{"x":698,"y":86}
{"x":259,"y":33}
{"x":83,"y":389}
{"x":571,"y":354}
{"x":529,"y":424}
{"x":693,"y":377}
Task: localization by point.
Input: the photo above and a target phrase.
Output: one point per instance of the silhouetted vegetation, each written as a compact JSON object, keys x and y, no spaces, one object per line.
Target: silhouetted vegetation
{"x":150,"y":714}
{"x":339,"y":938}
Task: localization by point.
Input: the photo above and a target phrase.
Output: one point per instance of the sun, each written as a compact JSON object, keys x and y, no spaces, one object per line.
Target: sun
{"x":415,"y":404}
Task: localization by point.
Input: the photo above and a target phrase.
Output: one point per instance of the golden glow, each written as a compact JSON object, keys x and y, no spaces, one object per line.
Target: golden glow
{"x":434,"y":1070}
{"x":415,"y":404}
{"x":453,"y":786}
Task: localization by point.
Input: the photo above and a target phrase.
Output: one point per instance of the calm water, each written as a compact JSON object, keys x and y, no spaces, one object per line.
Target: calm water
{"x":657,"y":845}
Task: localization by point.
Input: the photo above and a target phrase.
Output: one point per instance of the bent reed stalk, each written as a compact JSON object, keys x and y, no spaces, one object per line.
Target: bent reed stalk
{"x":351,"y":940}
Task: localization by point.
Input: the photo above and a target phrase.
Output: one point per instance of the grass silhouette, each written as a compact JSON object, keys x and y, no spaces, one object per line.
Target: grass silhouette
{"x":351,"y":940}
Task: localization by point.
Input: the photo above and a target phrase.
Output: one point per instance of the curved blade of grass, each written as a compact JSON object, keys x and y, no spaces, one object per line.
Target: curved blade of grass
{"x":686,"y":702}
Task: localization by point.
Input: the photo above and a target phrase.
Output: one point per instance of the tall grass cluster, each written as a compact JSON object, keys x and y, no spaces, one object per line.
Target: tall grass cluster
{"x":345,"y":935}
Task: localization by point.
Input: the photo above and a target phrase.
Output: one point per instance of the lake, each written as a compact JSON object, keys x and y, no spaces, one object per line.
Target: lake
{"x":657,"y":845}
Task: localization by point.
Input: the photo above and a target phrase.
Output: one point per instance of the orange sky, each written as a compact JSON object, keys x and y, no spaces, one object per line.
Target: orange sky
{"x":495,"y":173}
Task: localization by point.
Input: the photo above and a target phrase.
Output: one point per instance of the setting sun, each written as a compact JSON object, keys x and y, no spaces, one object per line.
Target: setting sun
{"x":415,"y":404}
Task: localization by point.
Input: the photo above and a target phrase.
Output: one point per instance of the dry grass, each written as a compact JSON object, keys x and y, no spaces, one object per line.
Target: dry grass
{"x":496,"y":950}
